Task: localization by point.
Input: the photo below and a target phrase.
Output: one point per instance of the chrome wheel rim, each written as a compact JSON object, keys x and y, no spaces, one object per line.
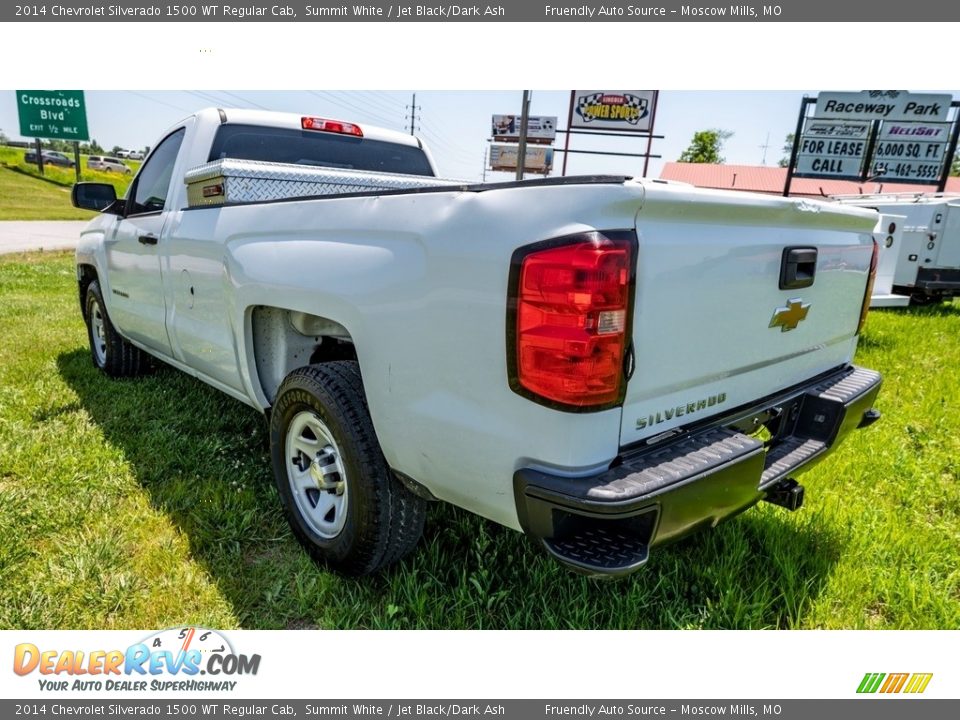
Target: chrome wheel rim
{"x":318,"y":481}
{"x":99,"y":334}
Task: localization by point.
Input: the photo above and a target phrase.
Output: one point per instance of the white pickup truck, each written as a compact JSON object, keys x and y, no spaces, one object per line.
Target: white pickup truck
{"x":605,"y":364}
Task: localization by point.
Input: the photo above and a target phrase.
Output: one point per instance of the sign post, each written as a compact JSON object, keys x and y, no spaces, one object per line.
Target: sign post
{"x":624,"y":113}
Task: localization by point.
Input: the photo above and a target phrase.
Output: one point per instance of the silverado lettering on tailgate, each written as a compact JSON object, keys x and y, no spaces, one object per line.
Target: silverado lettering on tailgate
{"x":680,"y":410}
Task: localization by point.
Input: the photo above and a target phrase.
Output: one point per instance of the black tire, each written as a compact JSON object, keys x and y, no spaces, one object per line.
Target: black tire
{"x":382,"y":520}
{"x":108,"y":350}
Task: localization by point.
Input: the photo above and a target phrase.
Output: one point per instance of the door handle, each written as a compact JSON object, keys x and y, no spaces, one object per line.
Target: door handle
{"x":147,"y":239}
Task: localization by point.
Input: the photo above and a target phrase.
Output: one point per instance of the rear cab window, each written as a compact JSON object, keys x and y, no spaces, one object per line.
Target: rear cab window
{"x":317,"y":149}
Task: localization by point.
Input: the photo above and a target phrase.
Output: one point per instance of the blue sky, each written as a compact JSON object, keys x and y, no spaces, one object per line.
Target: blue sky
{"x":456,"y":124}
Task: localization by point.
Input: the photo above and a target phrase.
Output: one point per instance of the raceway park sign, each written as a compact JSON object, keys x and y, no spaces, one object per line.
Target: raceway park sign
{"x":882,"y":105}
{"x":890,"y":136}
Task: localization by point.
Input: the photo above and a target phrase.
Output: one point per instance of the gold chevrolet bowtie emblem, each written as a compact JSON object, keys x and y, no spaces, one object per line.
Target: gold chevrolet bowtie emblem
{"x":789,"y":316}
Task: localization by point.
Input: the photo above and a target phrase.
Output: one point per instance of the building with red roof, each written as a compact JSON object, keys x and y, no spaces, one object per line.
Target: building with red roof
{"x":770,"y":180}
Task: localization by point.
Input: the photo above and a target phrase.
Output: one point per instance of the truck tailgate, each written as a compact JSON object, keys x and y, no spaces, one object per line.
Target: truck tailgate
{"x":712,"y":328}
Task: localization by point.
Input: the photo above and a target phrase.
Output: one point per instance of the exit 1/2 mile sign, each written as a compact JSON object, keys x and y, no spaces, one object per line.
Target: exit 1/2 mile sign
{"x":60,"y":114}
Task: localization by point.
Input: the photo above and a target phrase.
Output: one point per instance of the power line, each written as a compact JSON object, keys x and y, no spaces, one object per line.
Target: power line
{"x":446,"y":147}
{"x":386,"y":104}
{"x":351,"y":107}
{"x":207,"y":97}
{"x":161,"y":102}
{"x":356,"y":105}
{"x":427,"y":126}
{"x":243,"y":99}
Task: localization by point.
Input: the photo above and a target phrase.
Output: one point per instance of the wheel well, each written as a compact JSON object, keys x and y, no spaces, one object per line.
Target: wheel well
{"x":86,"y":274}
{"x":284,"y":340}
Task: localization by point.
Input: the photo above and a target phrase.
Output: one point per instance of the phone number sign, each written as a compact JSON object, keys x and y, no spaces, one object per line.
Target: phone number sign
{"x":60,"y":114}
{"x":911,"y":151}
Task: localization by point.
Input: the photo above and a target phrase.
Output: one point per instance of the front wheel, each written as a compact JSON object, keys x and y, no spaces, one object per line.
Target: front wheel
{"x":339,"y":495}
{"x":109,"y":351}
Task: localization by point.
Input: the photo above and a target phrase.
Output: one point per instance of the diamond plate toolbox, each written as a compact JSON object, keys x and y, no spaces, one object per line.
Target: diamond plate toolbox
{"x":230,"y":181}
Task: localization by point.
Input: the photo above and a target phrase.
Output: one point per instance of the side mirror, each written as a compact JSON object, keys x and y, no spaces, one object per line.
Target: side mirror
{"x":93,"y":196}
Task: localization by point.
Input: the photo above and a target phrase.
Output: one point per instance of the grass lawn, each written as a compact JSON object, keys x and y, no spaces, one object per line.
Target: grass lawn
{"x":27,"y":198}
{"x":150,"y":503}
{"x":25,"y":195}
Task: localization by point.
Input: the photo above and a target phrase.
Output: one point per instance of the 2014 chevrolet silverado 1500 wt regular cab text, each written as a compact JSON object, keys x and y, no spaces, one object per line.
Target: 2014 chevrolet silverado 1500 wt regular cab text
{"x":605,"y":364}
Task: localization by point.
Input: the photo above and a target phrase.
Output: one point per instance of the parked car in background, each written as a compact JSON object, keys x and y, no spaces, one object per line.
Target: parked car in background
{"x":50,"y":157}
{"x":135,"y":155}
{"x":107,"y":164}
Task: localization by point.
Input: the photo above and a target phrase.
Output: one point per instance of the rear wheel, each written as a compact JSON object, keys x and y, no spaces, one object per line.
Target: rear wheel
{"x":339,"y":495}
{"x":109,"y":351}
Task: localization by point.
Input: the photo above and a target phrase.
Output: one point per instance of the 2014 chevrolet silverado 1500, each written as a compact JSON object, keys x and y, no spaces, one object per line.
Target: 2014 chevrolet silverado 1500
{"x":603,"y":363}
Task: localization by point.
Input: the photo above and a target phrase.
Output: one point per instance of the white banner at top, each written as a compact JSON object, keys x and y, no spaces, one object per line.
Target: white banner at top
{"x":883,"y":105}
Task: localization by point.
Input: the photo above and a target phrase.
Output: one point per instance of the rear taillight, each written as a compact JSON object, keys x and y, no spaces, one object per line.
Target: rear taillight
{"x":569,"y":319}
{"x":865,"y":308}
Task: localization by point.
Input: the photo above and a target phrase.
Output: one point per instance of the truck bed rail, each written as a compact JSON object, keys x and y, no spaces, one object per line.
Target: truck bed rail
{"x":239,"y":182}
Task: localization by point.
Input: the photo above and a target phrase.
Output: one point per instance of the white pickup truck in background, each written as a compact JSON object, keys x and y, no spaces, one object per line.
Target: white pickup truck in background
{"x":605,"y":364}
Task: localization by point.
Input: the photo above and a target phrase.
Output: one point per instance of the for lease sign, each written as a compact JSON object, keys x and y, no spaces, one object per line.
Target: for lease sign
{"x":832,"y":148}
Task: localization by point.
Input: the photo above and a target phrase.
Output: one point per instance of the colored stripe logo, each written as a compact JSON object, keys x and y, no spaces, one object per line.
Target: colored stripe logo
{"x":913,"y":683}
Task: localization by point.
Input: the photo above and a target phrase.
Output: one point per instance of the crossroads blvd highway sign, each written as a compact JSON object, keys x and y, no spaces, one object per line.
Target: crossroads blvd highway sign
{"x":60,"y":114}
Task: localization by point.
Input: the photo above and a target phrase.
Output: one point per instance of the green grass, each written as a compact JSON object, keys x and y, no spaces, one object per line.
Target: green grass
{"x":24,"y":196}
{"x":27,"y":198}
{"x":150,"y":503}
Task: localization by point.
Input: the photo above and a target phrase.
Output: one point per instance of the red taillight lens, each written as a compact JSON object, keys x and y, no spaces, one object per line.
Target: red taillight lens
{"x":865,"y":308}
{"x":332,"y":126}
{"x":572,"y":303}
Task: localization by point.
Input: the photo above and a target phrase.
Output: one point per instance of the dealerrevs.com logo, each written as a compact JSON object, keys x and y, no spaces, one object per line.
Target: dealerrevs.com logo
{"x":171,"y":659}
{"x":888,"y":683}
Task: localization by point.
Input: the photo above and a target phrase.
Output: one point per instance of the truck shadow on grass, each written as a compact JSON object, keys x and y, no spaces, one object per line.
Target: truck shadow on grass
{"x":203,"y":461}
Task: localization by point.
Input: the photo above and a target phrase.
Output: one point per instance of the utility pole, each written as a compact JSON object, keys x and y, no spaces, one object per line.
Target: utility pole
{"x":413,"y":117}
{"x":765,"y":146}
{"x":485,"y":151}
{"x":522,"y":146}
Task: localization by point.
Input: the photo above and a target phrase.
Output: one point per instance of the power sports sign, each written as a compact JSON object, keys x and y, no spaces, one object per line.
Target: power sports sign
{"x":624,"y":110}
{"x":883,"y":136}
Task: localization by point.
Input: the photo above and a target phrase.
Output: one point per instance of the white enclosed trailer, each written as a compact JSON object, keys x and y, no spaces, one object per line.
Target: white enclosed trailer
{"x":928,"y":261}
{"x":889,"y":238}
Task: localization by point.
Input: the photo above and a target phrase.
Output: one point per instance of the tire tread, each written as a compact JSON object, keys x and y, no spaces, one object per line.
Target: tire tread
{"x":123,"y":359}
{"x":392,"y":519}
